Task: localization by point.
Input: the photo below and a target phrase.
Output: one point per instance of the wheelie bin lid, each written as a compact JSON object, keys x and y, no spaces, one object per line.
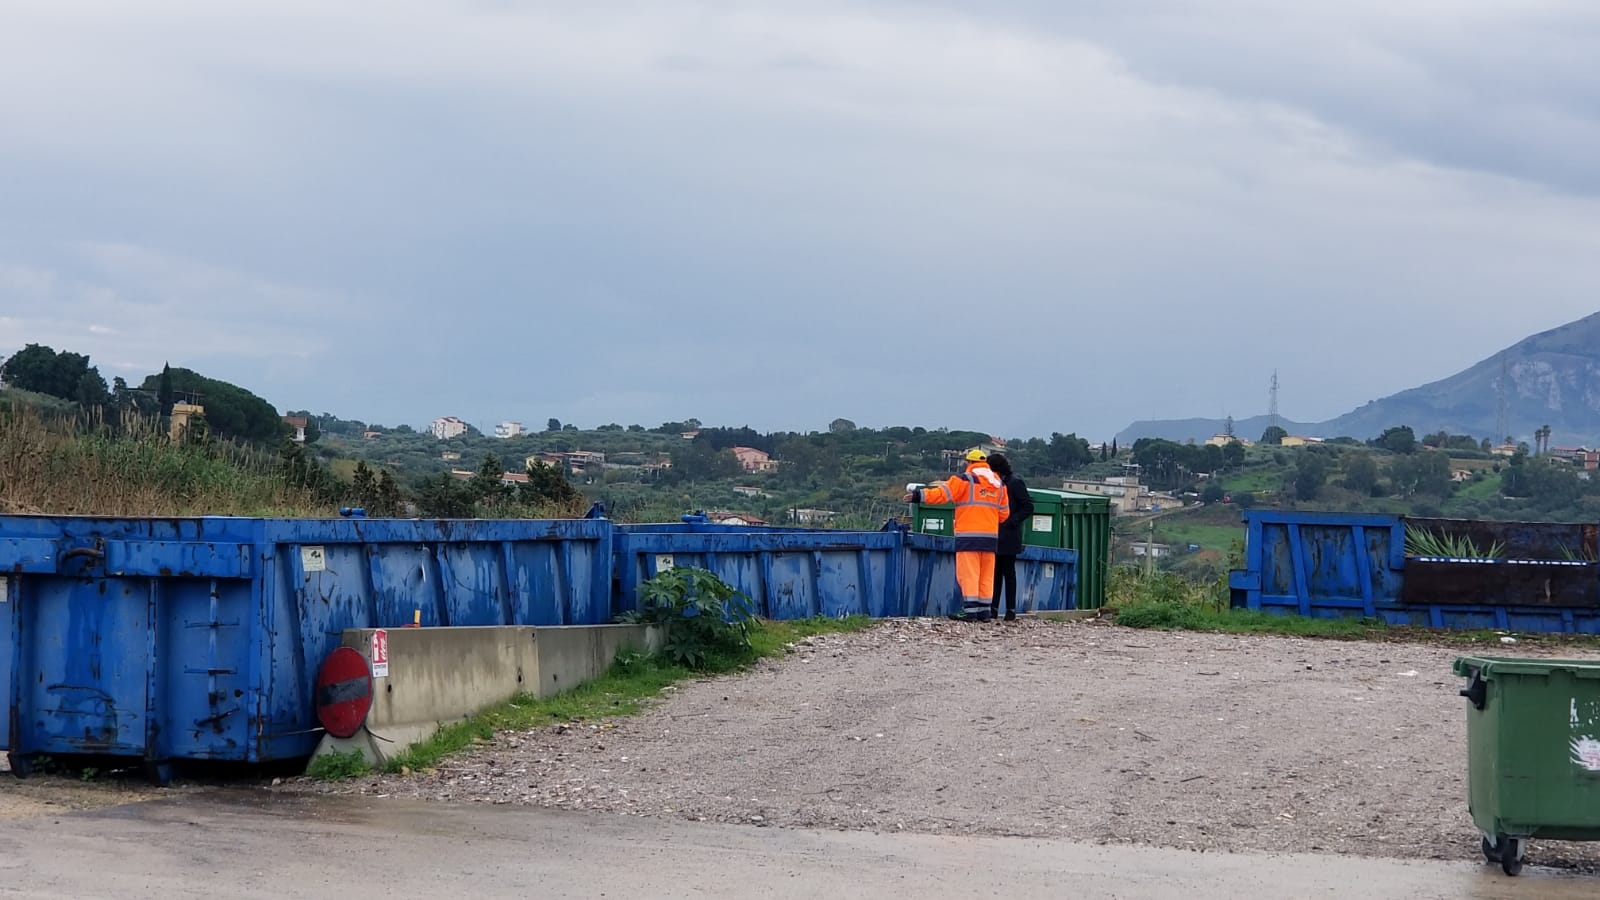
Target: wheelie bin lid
{"x":1490,"y":666}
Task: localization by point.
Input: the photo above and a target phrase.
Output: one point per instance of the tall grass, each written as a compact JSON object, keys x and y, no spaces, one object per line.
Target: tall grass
{"x":65,"y":464}
{"x":1166,"y":600}
{"x":1130,"y":587}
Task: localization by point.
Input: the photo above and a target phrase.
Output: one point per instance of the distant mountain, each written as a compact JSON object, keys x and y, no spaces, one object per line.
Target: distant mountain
{"x":1553,"y":379}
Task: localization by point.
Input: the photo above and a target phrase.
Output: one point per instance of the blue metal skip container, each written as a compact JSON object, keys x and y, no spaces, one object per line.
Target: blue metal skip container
{"x":799,"y":574}
{"x":788,"y":575}
{"x":1329,"y":565}
{"x":1047,"y":578}
{"x":200,"y":639}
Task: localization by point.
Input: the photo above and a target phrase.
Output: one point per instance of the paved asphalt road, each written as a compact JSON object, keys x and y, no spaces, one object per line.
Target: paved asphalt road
{"x":247,"y":844}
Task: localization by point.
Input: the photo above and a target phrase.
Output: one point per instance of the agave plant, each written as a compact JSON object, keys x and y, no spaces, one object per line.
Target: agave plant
{"x":1425,"y":542}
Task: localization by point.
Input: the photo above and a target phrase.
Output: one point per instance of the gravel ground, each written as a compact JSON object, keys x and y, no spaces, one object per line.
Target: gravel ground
{"x":49,"y":795}
{"x":1082,"y":731}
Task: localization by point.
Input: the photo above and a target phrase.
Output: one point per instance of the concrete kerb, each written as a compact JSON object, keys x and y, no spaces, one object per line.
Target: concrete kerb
{"x":437,"y":676}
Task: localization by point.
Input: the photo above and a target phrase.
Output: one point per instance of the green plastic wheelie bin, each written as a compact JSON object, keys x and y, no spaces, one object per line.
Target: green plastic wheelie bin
{"x":1533,"y":752}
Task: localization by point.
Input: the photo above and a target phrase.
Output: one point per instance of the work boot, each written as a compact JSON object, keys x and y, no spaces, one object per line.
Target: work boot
{"x":1011,"y":615}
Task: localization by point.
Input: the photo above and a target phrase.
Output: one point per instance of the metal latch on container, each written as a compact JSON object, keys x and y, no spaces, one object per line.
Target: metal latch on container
{"x":1477,"y":691}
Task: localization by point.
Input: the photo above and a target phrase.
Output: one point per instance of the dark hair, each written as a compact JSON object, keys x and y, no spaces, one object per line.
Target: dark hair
{"x":1000,"y":465}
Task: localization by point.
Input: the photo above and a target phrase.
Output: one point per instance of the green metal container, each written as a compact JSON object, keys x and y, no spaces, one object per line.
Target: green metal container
{"x":1080,"y":522}
{"x":1533,"y":752}
{"x":933,"y":518}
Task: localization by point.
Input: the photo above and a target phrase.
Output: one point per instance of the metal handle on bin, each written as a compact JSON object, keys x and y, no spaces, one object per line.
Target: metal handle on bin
{"x":94,"y":554}
{"x":1477,"y":691}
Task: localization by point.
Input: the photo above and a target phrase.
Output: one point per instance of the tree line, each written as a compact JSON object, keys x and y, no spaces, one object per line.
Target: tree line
{"x":231,"y":412}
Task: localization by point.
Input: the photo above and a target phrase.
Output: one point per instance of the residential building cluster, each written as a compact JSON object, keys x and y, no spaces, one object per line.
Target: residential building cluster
{"x":1577,"y":457}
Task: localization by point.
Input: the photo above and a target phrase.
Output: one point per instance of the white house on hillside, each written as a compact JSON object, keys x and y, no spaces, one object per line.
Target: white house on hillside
{"x":446,"y":427}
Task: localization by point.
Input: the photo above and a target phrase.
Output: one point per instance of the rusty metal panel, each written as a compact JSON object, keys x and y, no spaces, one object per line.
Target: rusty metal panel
{"x":1344,"y":564}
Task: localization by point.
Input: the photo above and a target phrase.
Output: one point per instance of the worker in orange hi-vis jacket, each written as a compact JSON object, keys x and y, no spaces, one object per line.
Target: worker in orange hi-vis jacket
{"x":981,"y":505}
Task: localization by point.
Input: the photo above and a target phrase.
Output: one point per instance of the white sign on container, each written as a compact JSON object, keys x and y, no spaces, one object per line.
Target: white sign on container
{"x":380,"y":653}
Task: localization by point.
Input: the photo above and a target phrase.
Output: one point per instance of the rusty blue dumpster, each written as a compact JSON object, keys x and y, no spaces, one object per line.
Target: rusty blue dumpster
{"x":153,"y":640}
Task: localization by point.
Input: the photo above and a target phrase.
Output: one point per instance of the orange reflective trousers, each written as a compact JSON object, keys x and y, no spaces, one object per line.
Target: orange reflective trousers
{"x":975,"y":574}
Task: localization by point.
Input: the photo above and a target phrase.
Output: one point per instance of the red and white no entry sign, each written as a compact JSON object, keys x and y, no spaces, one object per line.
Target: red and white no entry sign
{"x":344,"y":692}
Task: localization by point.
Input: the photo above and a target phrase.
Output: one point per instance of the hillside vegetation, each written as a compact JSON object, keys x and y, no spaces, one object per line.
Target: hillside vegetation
{"x":52,"y":461}
{"x":73,"y":445}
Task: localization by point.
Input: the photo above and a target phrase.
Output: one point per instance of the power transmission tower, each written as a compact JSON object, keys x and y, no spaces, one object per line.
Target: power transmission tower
{"x":1272,"y":400}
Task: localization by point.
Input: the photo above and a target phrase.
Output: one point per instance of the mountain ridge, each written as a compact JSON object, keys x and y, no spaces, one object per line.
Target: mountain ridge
{"x":1553,"y":379}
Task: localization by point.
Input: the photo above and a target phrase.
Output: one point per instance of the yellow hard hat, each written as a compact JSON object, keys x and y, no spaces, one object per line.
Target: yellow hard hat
{"x":976,"y":456}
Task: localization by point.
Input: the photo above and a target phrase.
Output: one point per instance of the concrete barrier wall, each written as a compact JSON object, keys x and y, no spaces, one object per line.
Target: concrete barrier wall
{"x":437,"y":676}
{"x":569,"y":655}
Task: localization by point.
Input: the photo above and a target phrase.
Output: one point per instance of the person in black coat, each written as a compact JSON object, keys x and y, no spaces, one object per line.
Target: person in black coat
{"x":1005,"y":558}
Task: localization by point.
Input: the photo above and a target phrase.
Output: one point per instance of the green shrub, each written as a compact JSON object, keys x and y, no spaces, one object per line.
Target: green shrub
{"x":707,"y":622}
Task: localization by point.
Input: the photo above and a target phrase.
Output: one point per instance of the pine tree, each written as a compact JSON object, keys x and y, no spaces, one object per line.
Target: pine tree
{"x":164,"y":394}
{"x":388,"y":501}
{"x":486,"y":486}
{"x":364,"y":485}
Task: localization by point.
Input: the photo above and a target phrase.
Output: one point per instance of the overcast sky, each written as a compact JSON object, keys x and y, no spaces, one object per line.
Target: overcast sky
{"x":1019,"y":217}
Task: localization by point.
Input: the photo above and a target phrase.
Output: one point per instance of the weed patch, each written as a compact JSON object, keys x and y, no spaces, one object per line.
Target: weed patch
{"x":339,"y":766}
{"x":1167,"y":601}
{"x":1189,"y":617}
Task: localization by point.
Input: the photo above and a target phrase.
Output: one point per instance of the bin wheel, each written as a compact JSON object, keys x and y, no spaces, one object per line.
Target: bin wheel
{"x":1491,"y":850}
{"x":21,"y":764}
{"x":1511,"y":850}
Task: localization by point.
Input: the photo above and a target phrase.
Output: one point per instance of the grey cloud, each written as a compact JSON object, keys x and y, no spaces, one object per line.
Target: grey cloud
{"x":1486,"y":86}
{"x":780,"y":213}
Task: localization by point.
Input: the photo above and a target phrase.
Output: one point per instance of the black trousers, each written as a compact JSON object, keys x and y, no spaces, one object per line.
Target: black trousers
{"x":1005,"y":583}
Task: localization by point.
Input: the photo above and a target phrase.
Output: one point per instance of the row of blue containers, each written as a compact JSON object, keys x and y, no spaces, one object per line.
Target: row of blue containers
{"x":799,"y":574}
{"x":199,"y":639}
{"x":1330,"y":565}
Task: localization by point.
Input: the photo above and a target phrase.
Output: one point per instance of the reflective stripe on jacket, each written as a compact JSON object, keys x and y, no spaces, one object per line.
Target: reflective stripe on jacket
{"x":981,"y":505}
